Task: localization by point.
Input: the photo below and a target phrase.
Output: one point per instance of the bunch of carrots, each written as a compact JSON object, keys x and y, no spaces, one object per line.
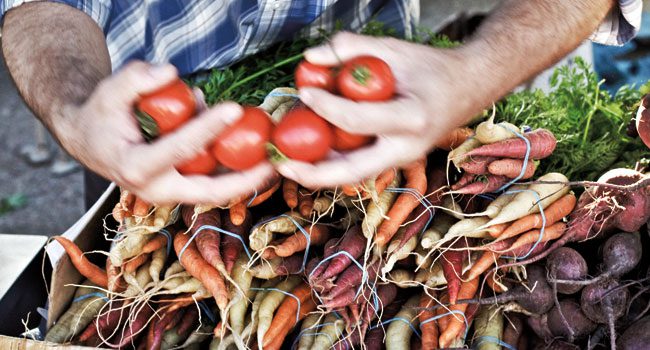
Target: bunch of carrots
{"x":399,"y":259}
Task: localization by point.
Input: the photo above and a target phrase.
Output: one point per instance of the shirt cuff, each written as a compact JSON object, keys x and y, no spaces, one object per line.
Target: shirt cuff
{"x":621,"y":24}
{"x":98,"y":10}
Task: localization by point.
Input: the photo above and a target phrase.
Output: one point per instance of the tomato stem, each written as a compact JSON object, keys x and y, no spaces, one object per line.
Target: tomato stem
{"x":147,"y":125}
{"x":275,"y":155}
{"x":261,"y":72}
{"x":361,"y":74}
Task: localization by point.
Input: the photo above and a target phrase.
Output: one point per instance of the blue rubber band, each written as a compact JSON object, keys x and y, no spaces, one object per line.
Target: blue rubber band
{"x":423,"y":200}
{"x":364,"y":275}
{"x":541,"y":231}
{"x":486,"y":196}
{"x":449,"y":313}
{"x":526,"y":159}
{"x":282,"y":94}
{"x":217,"y":229}
{"x":205,"y":309}
{"x":90,"y":295}
{"x":491,"y":339}
{"x":285,"y":293}
{"x":252,"y":199}
{"x":398,"y":319}
{"x":169,"y":240}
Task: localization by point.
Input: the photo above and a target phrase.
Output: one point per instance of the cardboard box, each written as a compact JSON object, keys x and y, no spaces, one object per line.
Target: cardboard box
{"x":88,"y":234}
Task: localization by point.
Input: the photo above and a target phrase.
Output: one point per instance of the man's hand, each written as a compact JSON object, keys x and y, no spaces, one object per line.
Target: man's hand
{"x":433,"y":95}
{"x":104,"y":135}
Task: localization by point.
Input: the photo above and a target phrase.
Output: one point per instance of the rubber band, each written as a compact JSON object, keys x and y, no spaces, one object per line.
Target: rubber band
{"x":364,"y":275}
{"x":217,"y":229}
{"x":399,"y":319}
{"x":90,"y":295}
{"x":169,"y":240}
{"x":486,"y":196}
{"x":252,"y":199}
{"x":285,"y":293}
{"x":495,"y":340}
{"x":282,"y":94}
{"x":542,"y":229}
{"x":205,"y":309}
{"x":526,"y":159}
{"x":449,"y":313}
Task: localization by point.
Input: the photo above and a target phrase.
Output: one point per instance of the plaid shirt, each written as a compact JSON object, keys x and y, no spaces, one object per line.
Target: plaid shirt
{"x":196,"y":35}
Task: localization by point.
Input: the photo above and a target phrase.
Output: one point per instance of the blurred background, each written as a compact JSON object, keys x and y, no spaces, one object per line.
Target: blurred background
{"x":41,"y":189}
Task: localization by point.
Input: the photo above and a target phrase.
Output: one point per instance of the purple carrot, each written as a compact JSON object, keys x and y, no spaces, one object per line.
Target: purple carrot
{"x":354,"y":243}
{"x":485,"y":184}
{"x":231,"y":246}
{"x":477,"y":165}
{"x":542,"y":144}
{"x":136,"y":326}
{"x":207,"y":241}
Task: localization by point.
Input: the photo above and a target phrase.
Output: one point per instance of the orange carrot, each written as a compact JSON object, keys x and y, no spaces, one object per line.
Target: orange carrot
{"x":483,"y":263}
{"x":115,"y":281}
{"x":87,"y":269}
{"x":456,"y":322}
{"x":285,"y":316}
{"x":350,"y":190}
{"x":550,"y":233}
{"x":454,"y":138}
{"x":126,"y":199}
{"x":135,"y":262}
{"x":196,"y":266}
{"x":260,"y":198}
{"x":318,"y":234}
{"x":154,"y":244}
{"x":140,"y":207}
{"x":290,"y":193}
{"x":305,"y":308}
{"x":384,"y":179}
{"x":429,"y":330}
{"x":492,"y":283}
{"x":305,"y":203}
{"x":554,"y":213}
{"x":416,"y":179}
{"x":238,"y":212}
{"x":512,"y":168}
{"x":497,"y":230}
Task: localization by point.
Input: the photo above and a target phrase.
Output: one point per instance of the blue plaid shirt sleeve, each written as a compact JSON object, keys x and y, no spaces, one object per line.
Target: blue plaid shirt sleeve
{"x":98,"y":10}
{"x":621,"y":24}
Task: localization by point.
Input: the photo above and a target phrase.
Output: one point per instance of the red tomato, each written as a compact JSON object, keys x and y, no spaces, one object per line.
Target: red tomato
{"x":202,"y":164}
{"x":344,"y":141}
{"x":311,"y":75}
{"x":243,"y":145}
{"x":303,"y":135}
{"x":366,"y":78}
{"x":166,"y":109}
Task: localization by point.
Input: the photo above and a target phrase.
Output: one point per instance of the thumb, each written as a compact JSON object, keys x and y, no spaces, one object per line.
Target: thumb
{"x":136,"y":79}
{"x":342,"y":47}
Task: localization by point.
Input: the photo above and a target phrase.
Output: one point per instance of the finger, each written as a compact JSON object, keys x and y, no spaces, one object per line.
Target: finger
{"x":350,"y":168}
{"x":184,"y":143}
{"x":399,"y":115}
{"x":200,"y":100}
{"x":136,"y":79}
{"x":344,"y":46}
{"x":219,"y":190}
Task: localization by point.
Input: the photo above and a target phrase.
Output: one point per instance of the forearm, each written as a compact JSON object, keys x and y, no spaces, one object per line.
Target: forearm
{"x":56,"y":55}
{"x":522,"y":38}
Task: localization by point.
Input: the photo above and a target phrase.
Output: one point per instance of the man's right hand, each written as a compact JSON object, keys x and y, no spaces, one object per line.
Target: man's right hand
{"x":104,"y":135}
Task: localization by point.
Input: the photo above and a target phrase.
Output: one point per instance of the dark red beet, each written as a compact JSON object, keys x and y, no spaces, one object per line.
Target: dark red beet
{"x":603,"y":298}
{"x":636,"y":336}
{"x":580,"y":324}
{"x":566,"y":264}
{"x":621,"y":253}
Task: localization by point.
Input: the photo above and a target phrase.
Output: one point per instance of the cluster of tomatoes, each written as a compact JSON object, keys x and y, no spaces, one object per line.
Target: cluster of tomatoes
{"x":301,"y":134}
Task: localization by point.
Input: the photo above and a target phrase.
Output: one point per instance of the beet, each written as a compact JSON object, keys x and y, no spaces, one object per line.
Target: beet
{"x":539,"y":325}
{"x":636,"y":336}
{"x":580,"y":324}
{"x":601,"y":299}
{"x":566,"y":264}
{"x":621,"y":253}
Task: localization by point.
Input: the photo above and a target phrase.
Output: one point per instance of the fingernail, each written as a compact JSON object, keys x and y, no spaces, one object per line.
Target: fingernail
{"x":230,"y":113}
{"x":305,"y":95}
{"x":161,"y":71}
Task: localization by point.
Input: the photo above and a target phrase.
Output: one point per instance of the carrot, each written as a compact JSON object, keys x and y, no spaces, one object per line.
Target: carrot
{"x":554,"y":213}
{"x":126,"y":199}
{"x":238,"y":212}
{"x":492,"y":282}
{"x":168,"y":321}
{"x":231,"y":246}
{"x":329,"y":333}
{"x":278,"y":267}
{"x":485,"y":184}
{"x":487,"y":132}
{"x":158,"y":259}
{"x":87,"y":269}
{"x":458,"y":155}
{"x":114,"y":277}
{"x":138,"y":323}
{"x":318,"y":234}
{"x":119,"y":213}
{"x":194,"y":263}
{"x":478,"y":165}
{"x":354,"y":243}
{"x":482,"y":264}
{"x":452,"y":267}
{"x":512,"y":168}
{"x":416,"y":180}
{"x":305,"y":203}
{"x":463,"y":181}
{"x":305,"y":308}
{"x":285,"y":316}
{"x":350,"y":190}
{"x":290,"y":193}
{"x":550,"y":233}
{"x":140,"y":207}
{"x":398,"y":249}
{"x":398,"y":334}
{"x":136,"y":262}
{"x":162,"y":214}
{"x":261,"y":198}
{"x":496,"y":230}
{"x":270,"y":303}
{"x":242,"y":279}
{"x":454,"y":138}
{"x":105,"y":323}
{"x":429,"y":330}
{"x":542,"y":144}
{"x":384,"y":179}
{"x":154,"y":244}
{"x":208,"y":241}
{"x":456,"y":322}
{"x":488,"y":324}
